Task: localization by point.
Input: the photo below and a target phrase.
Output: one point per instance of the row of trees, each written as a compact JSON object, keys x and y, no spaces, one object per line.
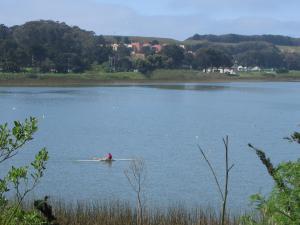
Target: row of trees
{"x":49,"y":46}
{"x":251,"y":54}
{"x":203,"y":57}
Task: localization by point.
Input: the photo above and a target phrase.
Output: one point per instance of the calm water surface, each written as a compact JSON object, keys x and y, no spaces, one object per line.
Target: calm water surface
{"x":162,"y":124}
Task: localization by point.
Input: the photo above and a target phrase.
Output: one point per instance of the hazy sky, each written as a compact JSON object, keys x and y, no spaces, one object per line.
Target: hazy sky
{"x":166,"y":18}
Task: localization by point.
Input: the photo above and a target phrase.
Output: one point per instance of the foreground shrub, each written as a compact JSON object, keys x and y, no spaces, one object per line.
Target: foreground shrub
{"x":19,"y":180}
{"x":282,"y":206}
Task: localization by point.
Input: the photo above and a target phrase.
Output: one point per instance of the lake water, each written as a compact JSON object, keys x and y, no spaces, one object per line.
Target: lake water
{"x":163,"y":125}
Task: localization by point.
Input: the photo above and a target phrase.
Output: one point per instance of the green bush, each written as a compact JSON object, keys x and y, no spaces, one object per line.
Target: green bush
{"x":282,"y":70}
{"x":282,"y":206}
{"x":19,"y":180}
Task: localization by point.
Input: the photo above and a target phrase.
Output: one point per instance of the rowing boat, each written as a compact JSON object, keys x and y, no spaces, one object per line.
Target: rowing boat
{"x":102,"y":160}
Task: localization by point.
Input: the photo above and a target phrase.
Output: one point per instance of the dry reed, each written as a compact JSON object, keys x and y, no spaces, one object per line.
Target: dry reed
{"x":122,"y":213}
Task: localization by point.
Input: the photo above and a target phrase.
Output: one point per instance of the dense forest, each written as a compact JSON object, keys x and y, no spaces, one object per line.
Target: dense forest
{"x":48,"y":46}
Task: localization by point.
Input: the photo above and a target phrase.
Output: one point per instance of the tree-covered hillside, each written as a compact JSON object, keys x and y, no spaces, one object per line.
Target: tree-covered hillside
{"x":49,"y":46}
{"x":235,"y":38}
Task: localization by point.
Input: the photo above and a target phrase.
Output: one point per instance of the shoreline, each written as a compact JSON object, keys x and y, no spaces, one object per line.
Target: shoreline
{"x":69,"y":82}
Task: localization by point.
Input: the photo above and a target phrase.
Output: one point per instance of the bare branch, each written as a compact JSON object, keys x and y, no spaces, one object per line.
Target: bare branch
{"x":135,"y":175}
{"x":227,"y":170}
{"x":231,"y":167}
{"x":213,"y":171}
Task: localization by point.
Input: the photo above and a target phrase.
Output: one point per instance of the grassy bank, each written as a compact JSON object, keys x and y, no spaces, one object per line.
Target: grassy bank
{"x":93,"y":78}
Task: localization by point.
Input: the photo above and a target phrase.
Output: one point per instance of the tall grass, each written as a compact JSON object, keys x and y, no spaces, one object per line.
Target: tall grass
{"x":122,"y":213}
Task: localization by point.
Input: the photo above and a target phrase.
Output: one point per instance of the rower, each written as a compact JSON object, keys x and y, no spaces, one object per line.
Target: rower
{"x":108,"y":157}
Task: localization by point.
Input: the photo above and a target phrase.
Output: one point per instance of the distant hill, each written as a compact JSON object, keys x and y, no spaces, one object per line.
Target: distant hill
{"x":236,"y":38}
{"x":224,"y":40}
{"x":112,"y":38}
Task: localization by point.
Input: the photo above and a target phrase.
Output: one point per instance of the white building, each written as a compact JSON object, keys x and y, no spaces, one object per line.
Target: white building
{"x":242,"y":68}
{"x":256,"y":69}
{"x":220,"y":70}
{"x":115,"y":47}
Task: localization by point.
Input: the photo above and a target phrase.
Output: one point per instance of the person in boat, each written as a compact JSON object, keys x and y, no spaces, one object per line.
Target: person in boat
{"x":108,"y":157}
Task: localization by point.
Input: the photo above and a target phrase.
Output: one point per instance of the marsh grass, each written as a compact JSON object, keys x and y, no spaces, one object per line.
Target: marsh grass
{"x":99,"y":77}
{"x":122,"y":213}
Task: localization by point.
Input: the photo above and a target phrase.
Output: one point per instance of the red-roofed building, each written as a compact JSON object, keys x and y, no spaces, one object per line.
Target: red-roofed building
{"x":136,"y":46}
{"x":157,"y":48}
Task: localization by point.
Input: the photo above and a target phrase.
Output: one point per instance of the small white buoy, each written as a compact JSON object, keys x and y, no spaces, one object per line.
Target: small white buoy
{"x":43,"y":116}
{"x":14,"y":108}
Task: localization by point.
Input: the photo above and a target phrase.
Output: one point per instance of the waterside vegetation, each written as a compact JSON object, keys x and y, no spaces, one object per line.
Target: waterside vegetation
{"x":100,"y":77}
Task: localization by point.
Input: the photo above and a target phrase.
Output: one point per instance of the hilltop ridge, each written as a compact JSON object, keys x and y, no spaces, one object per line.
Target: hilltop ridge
{"x":237,"y":38}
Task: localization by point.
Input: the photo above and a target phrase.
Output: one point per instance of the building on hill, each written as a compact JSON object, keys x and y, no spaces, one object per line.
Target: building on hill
{"x":128,"y":45}
{"x":191,"y":52}
{"x":242,"y":68}
{"x":255,"y":69}
{"x":115,"y":47}
{"x":225,"y":70}
{"x":137,"y":46}
{"x":157,"y":48}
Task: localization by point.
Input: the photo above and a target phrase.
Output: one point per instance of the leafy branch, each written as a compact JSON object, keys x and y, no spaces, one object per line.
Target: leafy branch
{"x":22,"y":179}
{"x":12,"y":140}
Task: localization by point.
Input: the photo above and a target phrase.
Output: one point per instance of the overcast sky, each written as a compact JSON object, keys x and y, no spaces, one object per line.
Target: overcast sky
{"x":177,"y":19}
